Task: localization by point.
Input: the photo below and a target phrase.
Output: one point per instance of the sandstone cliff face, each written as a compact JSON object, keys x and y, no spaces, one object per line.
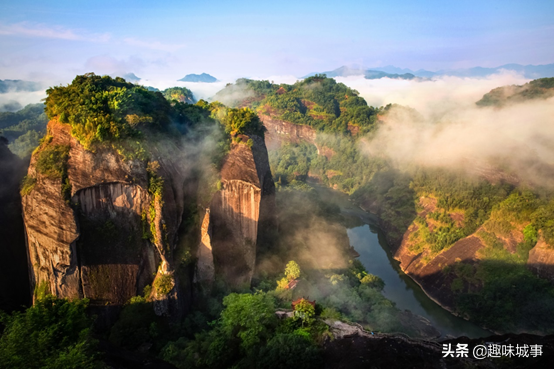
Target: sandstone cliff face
{"x":243,"y":212}
{"x":14,"y":279}
{"x":279,"y":131}
{"x":429,"y":275}
{"x":96,"y":245}
{"x":205,"y":272}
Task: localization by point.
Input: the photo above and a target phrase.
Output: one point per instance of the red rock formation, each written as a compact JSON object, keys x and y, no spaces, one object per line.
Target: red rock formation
{"x":94,"y":245}
{"x":429,"y":275}
{"x":242,"y":213}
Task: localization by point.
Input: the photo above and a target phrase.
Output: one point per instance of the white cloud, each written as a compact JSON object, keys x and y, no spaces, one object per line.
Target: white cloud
{"x":453,"y":132}
{"x":27,"y":29}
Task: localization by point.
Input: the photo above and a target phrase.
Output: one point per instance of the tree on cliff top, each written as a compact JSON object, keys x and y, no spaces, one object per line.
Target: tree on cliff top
{"x":103,"y":108}
{"x":243,"y":121}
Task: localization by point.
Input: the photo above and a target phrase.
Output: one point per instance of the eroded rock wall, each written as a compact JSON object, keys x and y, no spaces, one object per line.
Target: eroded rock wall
{"x":242,"y":212}
{"x":112,"y":237}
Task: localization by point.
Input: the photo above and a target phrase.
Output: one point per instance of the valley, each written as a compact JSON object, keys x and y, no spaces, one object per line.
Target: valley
{"x":146,"y":208}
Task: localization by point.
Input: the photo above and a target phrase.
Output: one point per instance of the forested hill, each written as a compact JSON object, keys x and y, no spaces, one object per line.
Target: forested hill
{"x":24,"y":128}
{"x":316,"y":101}
{"x":538,"y":89}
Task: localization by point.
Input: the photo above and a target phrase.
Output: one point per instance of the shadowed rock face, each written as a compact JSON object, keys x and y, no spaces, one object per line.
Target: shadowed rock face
{"x":429,"y":275}
{"x":243,"y":212}
{"x":541,"y":261}
{"x":14,"y":279}
{"x":96,"y":245}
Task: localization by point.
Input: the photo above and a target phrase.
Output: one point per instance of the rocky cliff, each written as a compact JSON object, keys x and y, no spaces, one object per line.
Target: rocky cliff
{"x":102,"y":232}
{"x":242,"y":212}
{"x":98,"y":231}
{"x":14,"y":285}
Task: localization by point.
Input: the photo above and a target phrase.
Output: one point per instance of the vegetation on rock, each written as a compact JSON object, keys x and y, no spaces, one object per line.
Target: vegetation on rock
{"x":317,"y":101}
{"x":101,"y":109}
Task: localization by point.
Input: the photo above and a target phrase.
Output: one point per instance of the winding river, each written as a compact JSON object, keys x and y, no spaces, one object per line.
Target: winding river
{"x":369,"y":241}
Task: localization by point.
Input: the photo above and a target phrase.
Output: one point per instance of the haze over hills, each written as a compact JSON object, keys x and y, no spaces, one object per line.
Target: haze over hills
{"x":16,"y":85}
{"x":390,"y":71}
{"x":373,"y":73}
{"x":204,"y":77}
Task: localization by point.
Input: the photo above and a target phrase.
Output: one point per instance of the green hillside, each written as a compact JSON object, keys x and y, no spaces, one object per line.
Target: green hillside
{"x":541,"y":88}
{"x":24,"y":128}
{"x":317,"y":101}
{"x":497,"y":213}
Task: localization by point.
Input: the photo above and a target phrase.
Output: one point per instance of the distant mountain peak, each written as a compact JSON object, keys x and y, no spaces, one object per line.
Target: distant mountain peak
{"x":204,"y":77}
{"x":131,"y":77}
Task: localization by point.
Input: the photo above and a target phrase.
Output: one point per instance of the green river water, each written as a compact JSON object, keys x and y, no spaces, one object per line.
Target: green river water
{"x":369,"y":241}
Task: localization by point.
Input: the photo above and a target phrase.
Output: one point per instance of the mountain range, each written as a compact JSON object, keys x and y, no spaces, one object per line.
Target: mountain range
{"x":390,"y":71}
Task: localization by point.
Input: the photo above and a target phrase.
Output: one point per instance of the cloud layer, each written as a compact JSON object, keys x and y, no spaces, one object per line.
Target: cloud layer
{"x":450,"y":131}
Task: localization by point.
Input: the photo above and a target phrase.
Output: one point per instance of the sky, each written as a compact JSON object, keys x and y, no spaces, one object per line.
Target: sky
{"x":165,"y":40}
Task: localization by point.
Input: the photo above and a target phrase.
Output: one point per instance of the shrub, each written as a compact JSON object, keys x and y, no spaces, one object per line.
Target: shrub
{"x":163,"y":284}
{"x":373,"y":281}
{"x":52,"y":161}
{"x":27,"y":185}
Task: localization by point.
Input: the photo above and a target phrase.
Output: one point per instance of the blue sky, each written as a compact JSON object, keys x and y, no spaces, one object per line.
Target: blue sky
{"x":56,"y":40}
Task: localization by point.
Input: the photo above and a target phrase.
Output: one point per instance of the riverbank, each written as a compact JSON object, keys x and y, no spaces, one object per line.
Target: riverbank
{"x":375,"y":254}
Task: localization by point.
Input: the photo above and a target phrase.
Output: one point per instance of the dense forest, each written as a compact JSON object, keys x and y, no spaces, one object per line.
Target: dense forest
{"x":317,"y":101}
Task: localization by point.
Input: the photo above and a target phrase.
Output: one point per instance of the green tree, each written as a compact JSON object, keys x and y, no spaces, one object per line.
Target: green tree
{"x":248,"y":317}
{"x":243,"y":121}
{"x":289,"y":350}
{"x":305,"y":312}
{"x":292,"y":270}
{"x":373,"y":281}
{"x":54,"y":333}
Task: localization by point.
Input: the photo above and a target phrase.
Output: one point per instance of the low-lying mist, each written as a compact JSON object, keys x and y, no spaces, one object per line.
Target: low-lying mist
{"x":448,"y":130}
{"x":14,"y":101}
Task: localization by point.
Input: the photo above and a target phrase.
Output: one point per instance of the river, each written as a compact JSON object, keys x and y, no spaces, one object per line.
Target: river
{"x":369,"y":241}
